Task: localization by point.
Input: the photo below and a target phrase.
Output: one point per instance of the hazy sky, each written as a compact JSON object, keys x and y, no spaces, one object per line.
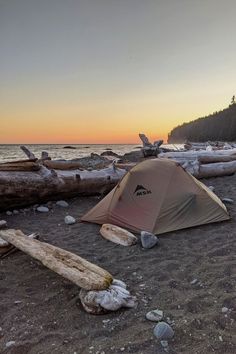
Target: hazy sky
{"x":93,"y":71}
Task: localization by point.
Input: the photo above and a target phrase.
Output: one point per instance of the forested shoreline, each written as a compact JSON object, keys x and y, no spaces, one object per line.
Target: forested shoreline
{"x":219,"y":126}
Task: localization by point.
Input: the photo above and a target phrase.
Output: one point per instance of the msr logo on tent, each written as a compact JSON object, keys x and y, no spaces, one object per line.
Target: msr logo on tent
{"x":140,"y":190}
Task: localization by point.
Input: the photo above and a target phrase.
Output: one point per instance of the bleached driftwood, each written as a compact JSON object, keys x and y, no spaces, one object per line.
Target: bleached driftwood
{"x":118,"y":235}
{"x":72,"y":267}
{"x":216,"y":169}
{"x":211,"y":158}
{"x":148,"y":148}
{"x":195,"y":154}
{"x":28,"y":153}
{"x":24,"y":188}
{"x":145,"y":141}
{"x":209,"y":170}
{"x":45,"y":156}
{"x":7,"y":248}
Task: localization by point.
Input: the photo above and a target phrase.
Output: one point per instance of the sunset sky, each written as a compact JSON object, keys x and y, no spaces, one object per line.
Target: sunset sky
{"x":101,"y":71}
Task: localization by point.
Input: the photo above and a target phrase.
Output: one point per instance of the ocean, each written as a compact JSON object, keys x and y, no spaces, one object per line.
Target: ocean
{"x":58,"y":151}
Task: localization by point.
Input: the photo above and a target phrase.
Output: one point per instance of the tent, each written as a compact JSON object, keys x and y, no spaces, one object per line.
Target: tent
{"x":158,"y":196}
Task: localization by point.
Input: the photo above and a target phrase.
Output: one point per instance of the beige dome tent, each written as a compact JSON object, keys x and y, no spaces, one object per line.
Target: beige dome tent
{"x":158,"y":196}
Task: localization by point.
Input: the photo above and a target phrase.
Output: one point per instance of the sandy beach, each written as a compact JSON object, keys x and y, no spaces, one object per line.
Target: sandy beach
{"x":41,"y":312}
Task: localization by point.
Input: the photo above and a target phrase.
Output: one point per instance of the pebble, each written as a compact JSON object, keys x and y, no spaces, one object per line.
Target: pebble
{"x":194,"y":281}
{"x":69,"y":220}
{"x":163,"y":331}
{"x":148,"y":239}
{"x":220,"y":338}
{"x":9,"y":212}
{"x":164,"y":343}
{"x":62,"y":203}
{"x":42,"y":209}
{"x":224,"y":309}
{"x":155,"y":315}
{"x":10,"y":344}
{"x":15,"y":212}
{"x":227,"y":200}
{"x":3,"y":223}
{"x":211,"y":188}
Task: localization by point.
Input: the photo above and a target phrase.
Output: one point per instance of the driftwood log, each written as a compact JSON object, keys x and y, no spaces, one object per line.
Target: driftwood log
{"x":62,"y":165}
{"x":21,"y":165}
{"x":196,"y":154}
{"x":72,"y":267}
{"x":19,"y":189}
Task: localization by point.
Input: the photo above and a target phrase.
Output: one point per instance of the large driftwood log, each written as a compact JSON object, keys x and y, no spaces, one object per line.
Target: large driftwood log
{"x":21,"y":165}
{"x":62,"y":165}
{"x":195,"y":154}
{"x":24,"y":188}
{"x":72,"y":267}
{"x":216,"y":158}
{"x":216,"y":169}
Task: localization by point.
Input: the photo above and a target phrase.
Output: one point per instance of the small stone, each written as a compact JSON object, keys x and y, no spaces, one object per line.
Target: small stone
{"x":17,"y":302}
{"x":69,"y":220}
{"x":163,"y":331}
{"x":10,"y":343}
{"x":15,"y":212}
{"x":148,"y":239}
{"x":3,"y":223}
{"x":42,"y":209}
{"x":227,"y":200}
{"x":155,"y":315}
{"x":224,"y":309}
{"x":164,"y":343}
{"x":220,"y":338}
{"x":0,"y":329}
{"x":194,"y":281}
{"x":9,"y":213}
{"x":62,"y":203}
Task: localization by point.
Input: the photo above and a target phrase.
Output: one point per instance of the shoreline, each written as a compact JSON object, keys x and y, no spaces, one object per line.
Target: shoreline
{"x":43,"y":314}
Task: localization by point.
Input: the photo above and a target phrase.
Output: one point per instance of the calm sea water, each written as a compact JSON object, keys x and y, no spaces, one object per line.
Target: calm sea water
{"x":13,"y":152}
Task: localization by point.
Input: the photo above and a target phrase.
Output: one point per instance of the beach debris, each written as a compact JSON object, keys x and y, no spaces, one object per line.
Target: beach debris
{"x":72,"y":267}
{"x":227,"y":200}
{"x":42,"y":209}
{"x":194,"y":281}
{"x":10,"y":343}
{"x":118,"y":235}
{"x":8,"y":213}
{"x":3,"y":224}
{"x":69,"y":220}
{"x":148,"y":239}
{"x":224,"y":309}
{"x":163,"y":331}
{"x":111,"y":299}
{"x":62,"y":203}
{"x":155,"y":315}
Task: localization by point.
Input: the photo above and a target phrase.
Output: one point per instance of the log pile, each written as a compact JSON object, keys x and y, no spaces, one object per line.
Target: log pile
{"x":205,"y":164}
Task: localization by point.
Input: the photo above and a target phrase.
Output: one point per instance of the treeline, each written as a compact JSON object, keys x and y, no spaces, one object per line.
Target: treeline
{"x":219,"y":126}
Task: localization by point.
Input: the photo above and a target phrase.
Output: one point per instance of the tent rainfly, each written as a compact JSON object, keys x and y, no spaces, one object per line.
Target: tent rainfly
{"x":158,"y":196}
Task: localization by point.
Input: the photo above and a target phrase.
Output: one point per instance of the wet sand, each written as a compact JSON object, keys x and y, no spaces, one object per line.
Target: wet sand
{"x":40,"y":311}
